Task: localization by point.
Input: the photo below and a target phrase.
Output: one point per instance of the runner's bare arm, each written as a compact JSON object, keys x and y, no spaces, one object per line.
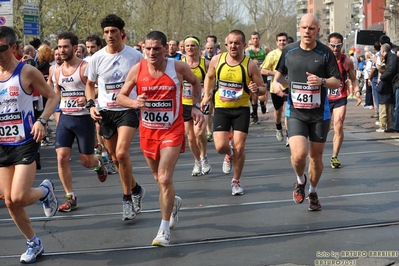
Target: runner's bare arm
{"x":354,"y":81}
{"x":209,"y":81}
{"x":257,"y":85}
{"x":123,"y":98}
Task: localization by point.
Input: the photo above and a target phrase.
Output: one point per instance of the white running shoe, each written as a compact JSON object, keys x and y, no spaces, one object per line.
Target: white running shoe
{"x":174,"y":218}
{"x":162,"y":239}
{"x":50,"y":202}
{"x":196,"y":169}
{"x":279,"y":135}
{"x":205,"y":166}
{"x":34,"y":250}
{"x":127,"y":210}
{"x":236,"y":188}
{"x":227,"y":163}
{"x":138,"y":201}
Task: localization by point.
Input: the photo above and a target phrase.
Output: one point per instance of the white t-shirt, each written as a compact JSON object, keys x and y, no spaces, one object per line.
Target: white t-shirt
{"x":111,"y":70}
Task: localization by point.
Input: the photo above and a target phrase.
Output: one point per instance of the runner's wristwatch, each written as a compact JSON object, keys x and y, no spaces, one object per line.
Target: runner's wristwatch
{"x":42,"y":121}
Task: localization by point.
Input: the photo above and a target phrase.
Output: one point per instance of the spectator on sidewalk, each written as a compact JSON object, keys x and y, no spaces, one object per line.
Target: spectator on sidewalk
{"x":384,"y":88}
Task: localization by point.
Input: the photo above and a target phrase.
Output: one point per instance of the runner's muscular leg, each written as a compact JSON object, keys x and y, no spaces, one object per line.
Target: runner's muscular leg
{"x":16,"y":184}
{"x":339,"y":117}
{"x":299,"y":152}
{"x":64,"y":170}
{"x":125,"y":137}
{"x":315,"y":162}
{"x":163,"y":173}
{"x":239,"y":139}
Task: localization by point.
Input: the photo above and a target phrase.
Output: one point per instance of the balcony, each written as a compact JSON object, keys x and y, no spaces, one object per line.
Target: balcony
{"x":326,"y":10}
{"x":328,"y":1}
{"x":302,"y":7}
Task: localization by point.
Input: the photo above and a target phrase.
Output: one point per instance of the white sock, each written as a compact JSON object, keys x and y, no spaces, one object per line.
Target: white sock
{"x":164,"y":225}
{"x":312,"y":189}
{"x":72,"y":194}
{"x":300,"y":179}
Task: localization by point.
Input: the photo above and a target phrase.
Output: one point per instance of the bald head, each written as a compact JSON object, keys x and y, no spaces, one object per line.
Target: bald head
{"x":310,"y":18}
{"x":309,"y":29}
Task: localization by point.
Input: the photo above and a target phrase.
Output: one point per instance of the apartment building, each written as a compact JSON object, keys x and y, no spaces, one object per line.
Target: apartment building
{"x":344,"y":16}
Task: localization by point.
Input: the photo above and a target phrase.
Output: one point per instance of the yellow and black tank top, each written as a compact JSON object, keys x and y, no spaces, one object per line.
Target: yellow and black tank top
{"x":200,"y":72}
{"x":232,"y":84}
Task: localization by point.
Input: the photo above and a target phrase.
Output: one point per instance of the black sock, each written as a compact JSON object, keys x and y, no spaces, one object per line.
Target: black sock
{"x":127,"y":197}
{"x":255,"y":109}
{"x":136,"y":190}
{"x":262,"y":103}
{"x":279,"y":126}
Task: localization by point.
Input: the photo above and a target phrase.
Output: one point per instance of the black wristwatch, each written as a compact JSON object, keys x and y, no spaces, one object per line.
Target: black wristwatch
{"x":90,"y":103}
{"x":42,"y":121}
{"x":197,"y":105}
{"x":323,"y":81}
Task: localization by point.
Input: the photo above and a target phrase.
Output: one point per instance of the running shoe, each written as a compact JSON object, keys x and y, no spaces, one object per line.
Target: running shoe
{"x":380,"y":130}
{"x":69,"y":204}
{"x":127,"y":210}
{"x":263,"y":108}
{"x":227,"y":163}
{"x":98,"y":149}
{"x":335,"y":162}
{"x":298,"y":194}
{"x":209,"y":136}
{"x":236,"y":188}
{"x":162,"y":239}
{"x":205,"y":166}
{"x":102,"y":172}
{"x":50,"y":202}
{"x":46,"y":142}
{"x":287,"y":142}
{"x":279,"y":135}
{"x":196,"y":169}
{"x":314,"y":204}
{"x":255,"y":120}
{"x":34,"y":250}
{"x":110,"y":166}
{"x":138,"y":201}
{"x":174,"y":218}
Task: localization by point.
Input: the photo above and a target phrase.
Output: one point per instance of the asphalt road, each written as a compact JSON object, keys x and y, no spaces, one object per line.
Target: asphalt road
{"x":263,"y":227}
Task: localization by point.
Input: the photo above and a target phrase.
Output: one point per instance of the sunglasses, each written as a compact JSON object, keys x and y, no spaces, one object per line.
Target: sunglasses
{"x":4,"y":47}
{"x":336,"y":45}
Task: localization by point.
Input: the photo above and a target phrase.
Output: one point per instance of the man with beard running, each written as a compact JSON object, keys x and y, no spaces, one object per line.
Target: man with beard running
{"x":75,"y":120}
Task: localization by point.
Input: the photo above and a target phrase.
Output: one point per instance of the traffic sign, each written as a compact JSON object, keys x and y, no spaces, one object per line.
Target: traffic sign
{"x":31,"y":12}
{"x":2,"y":21}
{"x":5,"y":7}
{"x":29,"y":18}
{"x":31,"y":32}
{"x":31,"y":6}
{"x":31,"y":25}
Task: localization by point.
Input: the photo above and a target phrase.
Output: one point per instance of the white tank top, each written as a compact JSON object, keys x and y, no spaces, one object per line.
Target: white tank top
{"x":72,"y":87}
{"x":16,"y":111}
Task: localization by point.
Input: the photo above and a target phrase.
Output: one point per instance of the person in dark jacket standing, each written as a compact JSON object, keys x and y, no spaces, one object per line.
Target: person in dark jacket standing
{"x":385,"y":88}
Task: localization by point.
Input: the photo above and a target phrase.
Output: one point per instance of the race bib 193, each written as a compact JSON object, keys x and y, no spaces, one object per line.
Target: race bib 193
{"x":230,"y":91}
